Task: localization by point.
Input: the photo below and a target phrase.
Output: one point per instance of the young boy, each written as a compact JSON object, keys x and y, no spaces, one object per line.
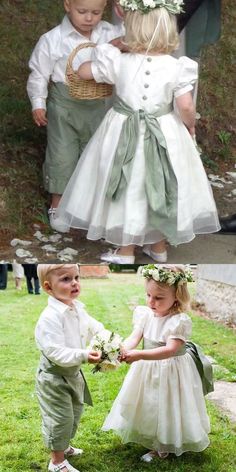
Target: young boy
{"x":70,"y":122}
{"x":62,"y":333}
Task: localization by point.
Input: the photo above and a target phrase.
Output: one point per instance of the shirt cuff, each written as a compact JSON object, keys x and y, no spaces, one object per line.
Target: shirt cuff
{"x":85,"y":356}
{"x":38,"y":103}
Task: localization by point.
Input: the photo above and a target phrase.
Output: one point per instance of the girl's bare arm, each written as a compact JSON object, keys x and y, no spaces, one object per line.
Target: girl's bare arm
{"x":85,"y":71}
{"x":187,"y":111}
{"x":171,"y":348}
{"x":133,"y":340}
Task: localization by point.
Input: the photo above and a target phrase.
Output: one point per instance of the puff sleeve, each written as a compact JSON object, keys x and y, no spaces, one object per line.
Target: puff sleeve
{"x":179,"y":327}
{"x":106,"y":63}
{"x":187,"y":74}
{"x":140,"y":316}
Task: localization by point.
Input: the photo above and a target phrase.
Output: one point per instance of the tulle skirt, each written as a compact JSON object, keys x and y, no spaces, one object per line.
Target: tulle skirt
{"x":129,"y":219}
{"x":161,"y":406}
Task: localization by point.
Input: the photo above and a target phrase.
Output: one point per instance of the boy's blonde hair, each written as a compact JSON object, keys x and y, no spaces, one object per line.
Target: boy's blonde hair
{"x":44,"y":270}
{"x":140,"y":30}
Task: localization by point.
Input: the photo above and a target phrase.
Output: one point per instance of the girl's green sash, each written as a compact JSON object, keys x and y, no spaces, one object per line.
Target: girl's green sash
{"x":203,"y":365}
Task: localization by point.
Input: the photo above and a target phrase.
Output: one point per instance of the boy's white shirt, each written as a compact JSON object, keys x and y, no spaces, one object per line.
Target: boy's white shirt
{"x":50,"y":55}
{"x":62,"y":332}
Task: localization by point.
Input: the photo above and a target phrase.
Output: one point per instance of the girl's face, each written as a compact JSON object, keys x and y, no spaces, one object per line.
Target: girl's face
{"x":84,"y":14}
{"x":64,"y":284}
{"x":160,"y":298}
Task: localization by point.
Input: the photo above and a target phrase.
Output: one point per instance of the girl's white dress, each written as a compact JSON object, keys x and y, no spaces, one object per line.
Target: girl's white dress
{"x":161,"y":403}
{"x":143,"y":83}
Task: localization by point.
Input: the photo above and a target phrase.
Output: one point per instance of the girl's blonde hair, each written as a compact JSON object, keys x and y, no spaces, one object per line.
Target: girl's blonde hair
{"x":44,"y":270}
{"x":142,"y":31}
{"x":182,"y":295}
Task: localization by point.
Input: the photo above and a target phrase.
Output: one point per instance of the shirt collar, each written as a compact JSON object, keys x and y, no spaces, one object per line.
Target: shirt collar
{"x":67,"y":28}
{"x":62,"y":307}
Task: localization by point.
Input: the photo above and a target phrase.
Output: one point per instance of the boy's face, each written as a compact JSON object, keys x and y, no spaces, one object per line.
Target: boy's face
{"x":84,"y":14}
{"x":64,"y":284}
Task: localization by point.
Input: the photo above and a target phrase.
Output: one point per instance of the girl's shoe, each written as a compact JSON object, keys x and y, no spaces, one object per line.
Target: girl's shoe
{"x":73,"y":451}
{"x":156,"y":256}
{"x":63,"y":466}
{"x":55,"y":223}
{"x":163,"y":455}
{"x":149,"y":456}
{"x":113,"y":257}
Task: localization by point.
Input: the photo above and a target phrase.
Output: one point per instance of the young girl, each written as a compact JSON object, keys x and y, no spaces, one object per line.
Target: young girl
{"x":140,"y":180}
{"x":161,"y":403}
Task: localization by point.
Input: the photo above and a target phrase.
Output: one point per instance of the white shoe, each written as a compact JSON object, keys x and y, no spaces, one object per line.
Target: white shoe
{"x":163,"y":455}
{"x":55,"y":223}
{"x":63,"y":466}
{"x":148,"y":457}
{"x":73,"y":451}
{"x":114,"y":257}
{"x":156,"y":256}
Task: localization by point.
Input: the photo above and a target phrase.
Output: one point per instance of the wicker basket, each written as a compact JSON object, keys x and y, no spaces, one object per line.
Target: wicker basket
{"x":84,"y":89}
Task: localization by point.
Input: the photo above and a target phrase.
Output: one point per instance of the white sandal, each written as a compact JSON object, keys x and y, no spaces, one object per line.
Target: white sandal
{"x":59,"y":467}
{"x":163,"y":455}
{"x":73,"y":451}
{"x":113,"y":257}
{"x":56,"y":223}
{"x":156,"y":256}
{"x":149,"y":456}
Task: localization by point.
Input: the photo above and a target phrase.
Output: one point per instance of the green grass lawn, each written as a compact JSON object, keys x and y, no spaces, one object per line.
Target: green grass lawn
{"x":110,"y":301}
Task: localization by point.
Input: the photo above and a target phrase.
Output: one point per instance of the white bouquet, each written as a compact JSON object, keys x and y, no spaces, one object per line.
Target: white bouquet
{"x":109,"y":344}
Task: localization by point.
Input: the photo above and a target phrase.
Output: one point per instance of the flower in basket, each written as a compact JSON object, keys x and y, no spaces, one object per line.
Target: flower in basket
{"x":109,"y":344}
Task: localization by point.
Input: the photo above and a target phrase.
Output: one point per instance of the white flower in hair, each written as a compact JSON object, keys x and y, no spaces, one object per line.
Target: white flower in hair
{"x":149,"y":3}
{"x":168,"y":274}
{"x":155,"y":275}
{"x":144,"y":6}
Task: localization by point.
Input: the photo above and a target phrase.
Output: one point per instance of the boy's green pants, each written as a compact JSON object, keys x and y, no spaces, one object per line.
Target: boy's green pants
{"x":61,"y":394}
{"x":71,"y":123}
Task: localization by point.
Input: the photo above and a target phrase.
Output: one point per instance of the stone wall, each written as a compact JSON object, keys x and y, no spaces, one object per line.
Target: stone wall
{"x":218,"y":297}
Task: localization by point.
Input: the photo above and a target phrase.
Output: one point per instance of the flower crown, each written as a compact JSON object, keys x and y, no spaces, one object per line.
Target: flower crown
{"x":167,"y":274}
{"x":144,"y":6}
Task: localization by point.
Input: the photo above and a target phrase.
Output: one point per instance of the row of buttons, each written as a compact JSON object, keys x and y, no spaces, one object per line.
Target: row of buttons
{"x":147,"y":72}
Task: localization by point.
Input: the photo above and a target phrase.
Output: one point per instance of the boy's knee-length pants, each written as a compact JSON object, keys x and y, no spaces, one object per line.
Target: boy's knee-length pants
{"x":61,"y":401}
{"x":71,"y":123}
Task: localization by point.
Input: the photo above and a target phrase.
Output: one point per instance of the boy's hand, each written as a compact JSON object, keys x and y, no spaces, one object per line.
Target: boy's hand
{"x":39,"y":117}
{"x":132,"y":356}
{"x":94,"y":357}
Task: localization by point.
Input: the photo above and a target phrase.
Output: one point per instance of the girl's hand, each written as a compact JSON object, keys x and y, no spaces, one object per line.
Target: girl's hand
{"x":39,"y":117}
{"x":123,"y":353}
{"x":192,"y":131}
{"x":118,"y":43}
{"x":94,"y":357}
{"x":132,"y":356}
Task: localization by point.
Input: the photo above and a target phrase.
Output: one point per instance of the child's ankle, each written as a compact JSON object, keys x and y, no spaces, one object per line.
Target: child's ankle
{"x":126,"y":251}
